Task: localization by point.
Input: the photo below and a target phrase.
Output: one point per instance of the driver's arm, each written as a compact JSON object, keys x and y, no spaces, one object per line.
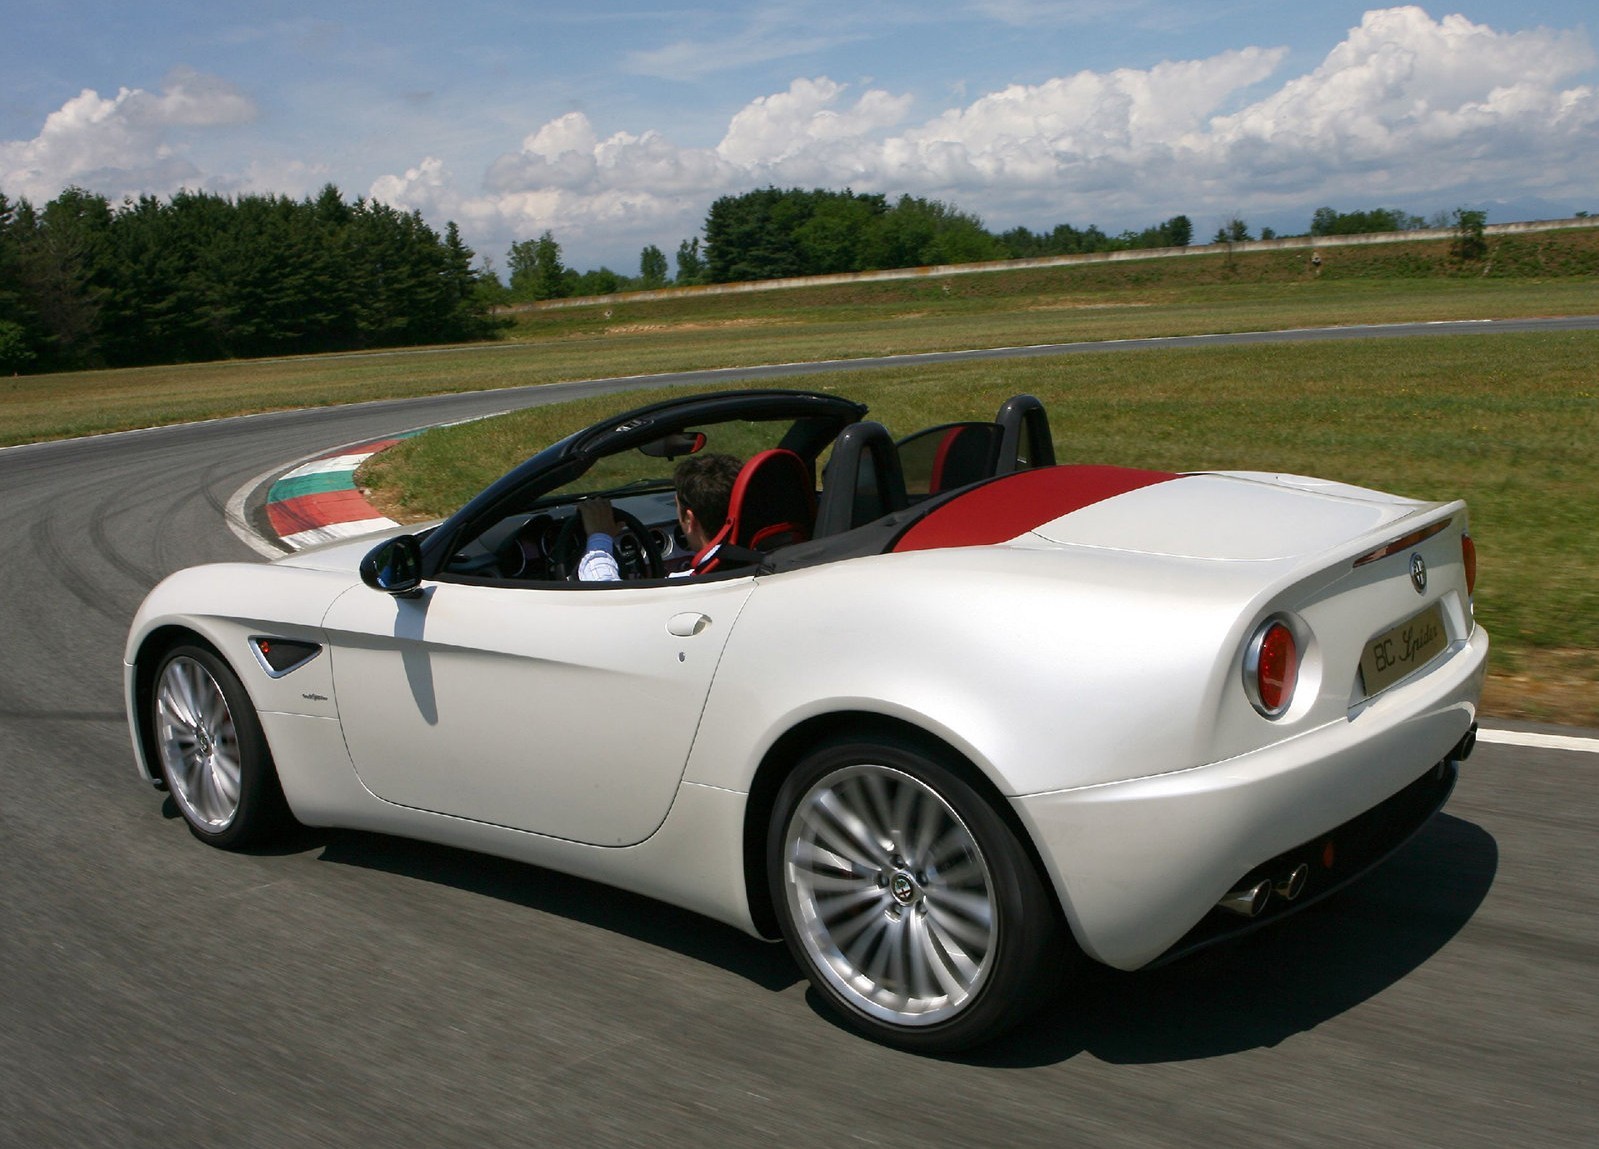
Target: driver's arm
{"x":598,"y":563}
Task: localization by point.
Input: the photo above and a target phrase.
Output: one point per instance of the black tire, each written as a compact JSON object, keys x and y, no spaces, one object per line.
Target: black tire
{"x":906,"y":898}
{"x":211,"y":751}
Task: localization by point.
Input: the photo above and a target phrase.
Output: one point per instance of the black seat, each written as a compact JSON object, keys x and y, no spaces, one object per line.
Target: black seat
{"x":862,"y":481}
{"x":1025,"y":439}
{"x":950,"y":455}
{"x":955,"y":455}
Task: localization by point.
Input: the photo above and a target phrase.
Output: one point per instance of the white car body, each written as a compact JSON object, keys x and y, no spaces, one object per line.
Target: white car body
{"x":1090,"y":668}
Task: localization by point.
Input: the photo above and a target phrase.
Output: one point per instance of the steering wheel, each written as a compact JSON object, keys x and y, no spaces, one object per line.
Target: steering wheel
{"x":640,"y":561}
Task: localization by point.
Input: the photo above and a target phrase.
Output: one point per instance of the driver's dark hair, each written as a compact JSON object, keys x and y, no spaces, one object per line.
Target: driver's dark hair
{"x":705,"y":486}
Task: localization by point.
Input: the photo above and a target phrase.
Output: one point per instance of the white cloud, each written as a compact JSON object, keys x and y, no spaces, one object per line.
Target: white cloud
{"x":1027,"y":135}
{"x":614,"y":195}
{"x":776,"y":129}
{"x":133,"y":142}
{"x":189,"y":99}
{"x":1407,"y":107}
{"x":1018,"y":145}
{"x":1424,"y":102}
{"x":1407,"y":111}
{"x":424,"y":185}
{"x":560,"y":154}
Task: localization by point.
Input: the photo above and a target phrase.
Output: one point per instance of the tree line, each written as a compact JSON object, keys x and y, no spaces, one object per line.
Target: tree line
{"x":1328,"y":221}
{"x":202,"y":277}
{"x":774,"y":233}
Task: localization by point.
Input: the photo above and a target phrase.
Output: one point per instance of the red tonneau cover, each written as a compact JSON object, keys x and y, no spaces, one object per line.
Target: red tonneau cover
{"x":1014,"y":504}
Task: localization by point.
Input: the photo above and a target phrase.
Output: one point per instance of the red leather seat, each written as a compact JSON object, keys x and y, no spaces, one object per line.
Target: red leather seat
{"x":773,"y":504}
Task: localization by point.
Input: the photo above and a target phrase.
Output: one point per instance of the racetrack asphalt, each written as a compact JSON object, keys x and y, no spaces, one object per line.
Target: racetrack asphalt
{"x":353,"y":988}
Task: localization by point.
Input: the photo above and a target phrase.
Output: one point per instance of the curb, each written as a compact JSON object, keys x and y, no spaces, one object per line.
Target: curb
{"x":318,"y":502}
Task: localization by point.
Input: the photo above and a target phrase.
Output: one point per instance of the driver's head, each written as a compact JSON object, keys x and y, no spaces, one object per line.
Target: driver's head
{"x":704,"y":488}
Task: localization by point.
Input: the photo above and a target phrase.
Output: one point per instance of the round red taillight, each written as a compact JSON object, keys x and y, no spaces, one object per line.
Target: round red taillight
{"x":1271,"y":668}
{"x":1468,"y":556}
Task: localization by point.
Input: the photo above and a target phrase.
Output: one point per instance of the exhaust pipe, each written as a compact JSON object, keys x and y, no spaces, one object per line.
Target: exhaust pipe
{"x":1247,"y":901}
{"x":1294,"y":884}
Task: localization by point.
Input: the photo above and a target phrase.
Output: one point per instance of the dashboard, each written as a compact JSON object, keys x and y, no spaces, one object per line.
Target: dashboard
{"x":544,"y":545}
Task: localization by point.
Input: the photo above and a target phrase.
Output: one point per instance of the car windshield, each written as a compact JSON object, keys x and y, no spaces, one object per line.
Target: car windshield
{"x":539,"y":540}
{"x":638,"y":470}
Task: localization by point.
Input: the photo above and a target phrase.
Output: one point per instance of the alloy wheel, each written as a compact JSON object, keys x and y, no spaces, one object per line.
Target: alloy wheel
{"x":891,"y":895}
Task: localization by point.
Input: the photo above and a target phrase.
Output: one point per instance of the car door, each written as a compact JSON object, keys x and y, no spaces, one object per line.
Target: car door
{"x":560,"y":710}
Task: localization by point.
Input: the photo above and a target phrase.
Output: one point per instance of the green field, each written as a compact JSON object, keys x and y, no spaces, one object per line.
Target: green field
{"x":1509,"y":422}
{"x":1553,"y":273}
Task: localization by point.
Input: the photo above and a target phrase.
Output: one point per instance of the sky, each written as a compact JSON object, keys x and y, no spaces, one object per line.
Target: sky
{"x":615,"y":125}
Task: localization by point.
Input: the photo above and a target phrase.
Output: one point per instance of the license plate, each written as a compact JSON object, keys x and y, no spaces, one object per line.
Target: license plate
{"x":1404,"y":649}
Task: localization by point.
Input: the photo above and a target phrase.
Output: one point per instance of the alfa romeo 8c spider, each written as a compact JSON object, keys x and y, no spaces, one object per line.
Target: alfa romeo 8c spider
{"x":937,"y":711}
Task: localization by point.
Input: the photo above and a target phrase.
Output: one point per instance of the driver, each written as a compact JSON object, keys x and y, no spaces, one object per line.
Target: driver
{"x":704,"y":489}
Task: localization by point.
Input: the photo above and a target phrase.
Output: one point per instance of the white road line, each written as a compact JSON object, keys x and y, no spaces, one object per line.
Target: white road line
{"x":1539,"y":741}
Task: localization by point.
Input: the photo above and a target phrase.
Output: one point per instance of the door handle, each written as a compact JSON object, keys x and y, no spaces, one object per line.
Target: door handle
{"x":687,"y":624}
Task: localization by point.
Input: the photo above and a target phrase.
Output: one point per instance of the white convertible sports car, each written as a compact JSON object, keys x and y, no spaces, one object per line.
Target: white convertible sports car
{"x":939,"y":719}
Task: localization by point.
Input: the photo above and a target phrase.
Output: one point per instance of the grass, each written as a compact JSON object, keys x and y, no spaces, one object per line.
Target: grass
{"x":1508,"y":422}
{"x":1556,"y":274}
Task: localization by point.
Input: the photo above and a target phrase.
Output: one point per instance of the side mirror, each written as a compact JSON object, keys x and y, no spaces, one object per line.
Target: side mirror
{"x":394,"y":566}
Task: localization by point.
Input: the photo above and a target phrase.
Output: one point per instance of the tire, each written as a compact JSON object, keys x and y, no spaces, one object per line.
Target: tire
{"x":212,"y":752}
{"x":910,"y":904}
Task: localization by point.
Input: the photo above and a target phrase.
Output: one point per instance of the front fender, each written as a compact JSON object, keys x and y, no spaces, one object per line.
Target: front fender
{"x":224,"y":605}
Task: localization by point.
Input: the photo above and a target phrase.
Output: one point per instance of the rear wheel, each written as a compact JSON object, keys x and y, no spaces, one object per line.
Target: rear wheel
{"x":212,"y":752}
{"x":906,"y":898}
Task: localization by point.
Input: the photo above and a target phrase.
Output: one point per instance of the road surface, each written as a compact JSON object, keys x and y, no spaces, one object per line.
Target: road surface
{"x":353,"y":989}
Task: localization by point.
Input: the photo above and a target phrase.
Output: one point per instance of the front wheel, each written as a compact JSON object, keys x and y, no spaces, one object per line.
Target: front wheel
{"x":212,"y":752}
{"x":909,"y":902}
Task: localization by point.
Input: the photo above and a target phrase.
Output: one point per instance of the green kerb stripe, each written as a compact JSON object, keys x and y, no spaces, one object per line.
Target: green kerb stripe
{"x":285,"y":489}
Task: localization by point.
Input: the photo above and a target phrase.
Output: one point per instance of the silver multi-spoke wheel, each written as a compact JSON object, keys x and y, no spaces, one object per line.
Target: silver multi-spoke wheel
{"x":213,"y":755}
{"x":907,"y":894}
{"x":199,"y":744}
{"x":890,"y":894}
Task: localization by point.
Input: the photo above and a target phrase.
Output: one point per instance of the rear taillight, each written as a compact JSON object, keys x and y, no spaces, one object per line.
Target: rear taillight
{"x":1468,"y":556}
{"x":1271,"y":668}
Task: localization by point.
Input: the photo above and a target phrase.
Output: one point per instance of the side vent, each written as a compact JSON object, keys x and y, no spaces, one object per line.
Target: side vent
{"x":280,"y":656}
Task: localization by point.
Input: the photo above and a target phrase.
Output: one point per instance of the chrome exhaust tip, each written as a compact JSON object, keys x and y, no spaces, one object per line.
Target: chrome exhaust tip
{"x":1247,"y":901}
{"x":1294,"y":884}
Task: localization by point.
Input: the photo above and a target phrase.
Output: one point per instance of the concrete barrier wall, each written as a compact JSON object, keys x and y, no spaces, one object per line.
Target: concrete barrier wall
{"x":1298,"y":242}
